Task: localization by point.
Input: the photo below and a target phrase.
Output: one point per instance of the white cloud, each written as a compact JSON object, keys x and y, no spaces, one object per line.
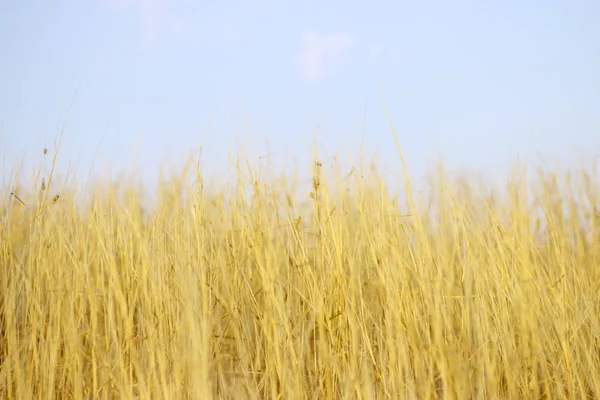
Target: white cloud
{"x":375,"y":50}
{"x":178,"y":27}
{"x":153,"y":14}
{"x":322,"y":54}
{"x":232,"y":33}
{"x":394,"y":55}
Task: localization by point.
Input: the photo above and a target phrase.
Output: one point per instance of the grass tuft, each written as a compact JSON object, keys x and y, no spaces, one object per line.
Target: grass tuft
{"x":259,"y":292}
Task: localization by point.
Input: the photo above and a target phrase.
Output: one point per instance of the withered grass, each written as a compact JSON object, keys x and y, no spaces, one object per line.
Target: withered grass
{"x":257,"y":291}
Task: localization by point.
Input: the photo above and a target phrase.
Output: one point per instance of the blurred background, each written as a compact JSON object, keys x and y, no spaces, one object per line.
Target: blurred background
{"x":137,"y":84}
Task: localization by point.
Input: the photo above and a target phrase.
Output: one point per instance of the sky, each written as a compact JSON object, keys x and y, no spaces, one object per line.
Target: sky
{"x":137,"y":84}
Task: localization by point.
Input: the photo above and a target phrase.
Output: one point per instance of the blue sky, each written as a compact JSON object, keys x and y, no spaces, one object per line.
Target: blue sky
{"x":477,"y":82}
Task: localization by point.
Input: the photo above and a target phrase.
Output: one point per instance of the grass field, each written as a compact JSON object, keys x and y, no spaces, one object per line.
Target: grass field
{"x":257,"y":291}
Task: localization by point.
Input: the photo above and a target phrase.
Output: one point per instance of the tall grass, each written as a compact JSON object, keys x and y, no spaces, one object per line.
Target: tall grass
{"x":257,"y":292}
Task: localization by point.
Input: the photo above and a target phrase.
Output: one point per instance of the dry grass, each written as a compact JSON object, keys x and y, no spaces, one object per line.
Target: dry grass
{"x":251,"y":293}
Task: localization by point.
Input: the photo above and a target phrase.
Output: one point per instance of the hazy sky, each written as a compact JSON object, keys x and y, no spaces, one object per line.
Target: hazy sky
{"x":475,"y":81}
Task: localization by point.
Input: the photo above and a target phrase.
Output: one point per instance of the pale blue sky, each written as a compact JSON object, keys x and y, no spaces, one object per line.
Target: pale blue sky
{"x":475,"y":81}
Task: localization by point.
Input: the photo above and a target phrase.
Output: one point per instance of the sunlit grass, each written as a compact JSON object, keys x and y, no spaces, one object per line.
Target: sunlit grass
{"x":256,"y":291}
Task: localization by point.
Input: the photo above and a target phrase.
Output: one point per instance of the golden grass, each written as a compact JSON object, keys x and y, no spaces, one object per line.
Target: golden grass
{"x":252,"y":293}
